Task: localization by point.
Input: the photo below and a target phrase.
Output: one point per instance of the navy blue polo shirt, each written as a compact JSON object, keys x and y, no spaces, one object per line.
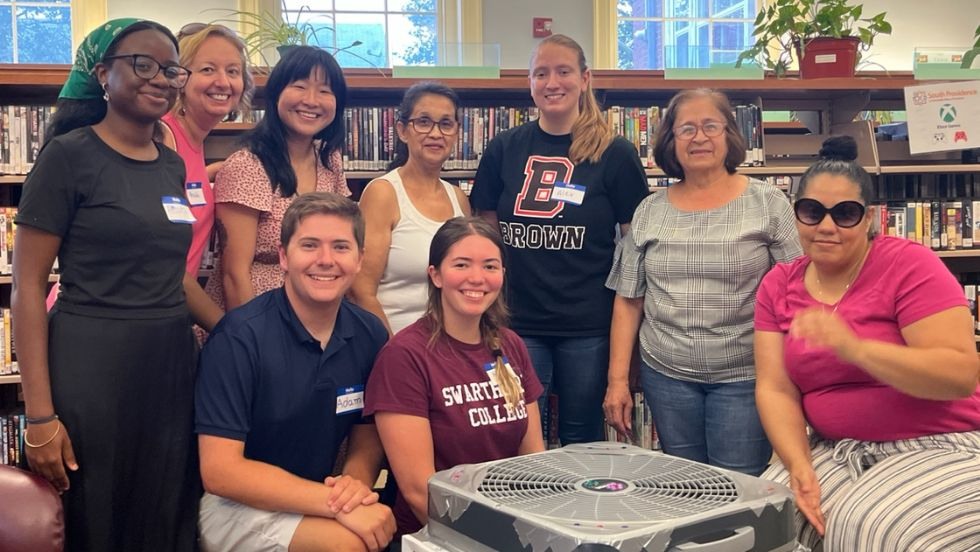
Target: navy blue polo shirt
{"x":263,"y":379}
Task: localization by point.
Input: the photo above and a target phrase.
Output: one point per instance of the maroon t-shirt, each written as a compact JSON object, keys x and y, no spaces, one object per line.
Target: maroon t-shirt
{"x":447,"y":382}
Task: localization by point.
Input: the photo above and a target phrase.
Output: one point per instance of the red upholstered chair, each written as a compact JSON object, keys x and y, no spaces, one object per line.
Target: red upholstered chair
{"x":31,"y":515}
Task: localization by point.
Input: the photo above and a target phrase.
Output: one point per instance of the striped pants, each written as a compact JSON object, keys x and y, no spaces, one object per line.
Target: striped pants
{"x":911,"y":495}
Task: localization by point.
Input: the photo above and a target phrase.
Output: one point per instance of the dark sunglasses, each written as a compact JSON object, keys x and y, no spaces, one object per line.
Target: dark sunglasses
{"x":194,"y":28}
{"x":846,"y":214}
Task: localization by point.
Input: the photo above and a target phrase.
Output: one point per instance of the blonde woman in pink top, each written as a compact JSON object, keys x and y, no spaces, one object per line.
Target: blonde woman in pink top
{"x":219,"y":85}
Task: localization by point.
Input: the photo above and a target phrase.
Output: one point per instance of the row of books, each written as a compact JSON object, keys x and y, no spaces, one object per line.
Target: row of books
{"x":371,"y":136}
{"x":8,"y":356}
{"x":937,"y":224}
{"x":644,"y":432}
{"x":21,"y":135}
{"x":970,"y":291}
{"x":12,"y":428}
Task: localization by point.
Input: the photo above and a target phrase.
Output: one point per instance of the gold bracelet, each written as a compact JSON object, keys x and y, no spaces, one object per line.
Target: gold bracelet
{"x":32,"y":445}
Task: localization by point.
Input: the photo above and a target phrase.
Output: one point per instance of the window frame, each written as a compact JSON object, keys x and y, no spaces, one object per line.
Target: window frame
{"x":455,"y":19}
{"x":606,"y":18}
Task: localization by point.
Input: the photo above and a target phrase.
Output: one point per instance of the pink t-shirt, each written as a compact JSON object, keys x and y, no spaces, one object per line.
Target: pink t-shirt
{"x":901,"y":282}
{"x":198,"y":192}
{"x":448,"y":384}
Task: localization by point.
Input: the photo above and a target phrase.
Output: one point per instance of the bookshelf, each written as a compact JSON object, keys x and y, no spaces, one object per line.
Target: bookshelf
{"x":825,"y":106}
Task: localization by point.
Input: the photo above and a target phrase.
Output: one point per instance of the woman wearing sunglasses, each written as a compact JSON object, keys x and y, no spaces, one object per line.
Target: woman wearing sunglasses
{"x":685,"y":279}
{"x":869,"y":341}
{"x":109,"y":377}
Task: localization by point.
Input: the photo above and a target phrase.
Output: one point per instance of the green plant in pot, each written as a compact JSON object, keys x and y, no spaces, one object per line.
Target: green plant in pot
{"x":970,"y":55}
{"x":825,"y":35}
{"x":268,"y":30}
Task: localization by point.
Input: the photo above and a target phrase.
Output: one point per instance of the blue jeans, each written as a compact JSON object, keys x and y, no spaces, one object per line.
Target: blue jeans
{"x":714,"y":424}
{"x":574,"y":368}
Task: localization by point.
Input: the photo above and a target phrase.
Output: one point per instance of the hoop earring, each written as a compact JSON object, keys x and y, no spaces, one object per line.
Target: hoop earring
{"x":105,"y":89}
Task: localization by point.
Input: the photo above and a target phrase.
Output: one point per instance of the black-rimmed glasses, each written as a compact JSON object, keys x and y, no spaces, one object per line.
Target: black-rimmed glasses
{"x":425,"y":125}
{"x":146,"y":67}
{"x":711,"y":129}
{"x":846,"y":214}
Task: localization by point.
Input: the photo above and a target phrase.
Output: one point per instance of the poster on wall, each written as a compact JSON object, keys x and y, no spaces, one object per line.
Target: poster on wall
{"x":943,"y":117}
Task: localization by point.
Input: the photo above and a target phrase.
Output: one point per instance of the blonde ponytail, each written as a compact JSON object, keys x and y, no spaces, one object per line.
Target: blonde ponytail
{"x":506,"y":379}
{"x":591,"y":133}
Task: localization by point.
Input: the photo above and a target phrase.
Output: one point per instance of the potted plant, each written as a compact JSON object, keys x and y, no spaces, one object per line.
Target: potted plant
{"x":267,"y":30}
{"x":824,"y":35}
{"x":970,"y":55}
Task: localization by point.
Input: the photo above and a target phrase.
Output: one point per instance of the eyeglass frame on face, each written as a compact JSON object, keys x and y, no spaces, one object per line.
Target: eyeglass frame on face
{"x":160,"y":67}
{"x":684,"y":129}
{"x":836,"y":212}
{"x":414,"y":122}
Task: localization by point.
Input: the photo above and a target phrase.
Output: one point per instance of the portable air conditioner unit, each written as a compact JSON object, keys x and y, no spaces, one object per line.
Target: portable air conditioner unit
{"x":603,"y":496}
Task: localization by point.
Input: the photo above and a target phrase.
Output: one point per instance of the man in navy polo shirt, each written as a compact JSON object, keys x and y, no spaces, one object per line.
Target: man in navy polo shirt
{"x":281,"y":384}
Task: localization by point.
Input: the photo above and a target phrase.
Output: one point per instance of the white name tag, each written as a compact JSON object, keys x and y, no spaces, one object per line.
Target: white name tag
{"x":195,"y":194}
{"x":350,"y":399}
{"x":177,"y":210}
{"x":568,"y":193}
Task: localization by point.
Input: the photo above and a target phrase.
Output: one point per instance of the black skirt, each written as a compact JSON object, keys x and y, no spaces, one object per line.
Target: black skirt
{"x":125,"y":392}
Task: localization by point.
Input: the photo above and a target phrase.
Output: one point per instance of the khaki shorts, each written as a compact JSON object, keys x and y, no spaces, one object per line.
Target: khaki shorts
{"x":227,"y":525}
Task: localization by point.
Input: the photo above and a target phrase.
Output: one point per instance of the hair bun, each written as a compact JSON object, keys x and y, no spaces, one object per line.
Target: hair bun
{"x":839,"y":148}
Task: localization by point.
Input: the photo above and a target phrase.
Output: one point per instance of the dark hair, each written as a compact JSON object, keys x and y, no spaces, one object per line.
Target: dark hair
{"x":837,"y":157}
{"x":71,"y":113}
{"x":451,"y":232}
{"x":405,"y":109}
{"x":321,"y":203}
{"x":268,"y":140}
{"x":664,"y":150}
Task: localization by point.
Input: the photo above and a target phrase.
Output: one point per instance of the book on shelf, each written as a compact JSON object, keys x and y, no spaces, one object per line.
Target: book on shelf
{"x":12,"y":429}
{"x":644,"y":432}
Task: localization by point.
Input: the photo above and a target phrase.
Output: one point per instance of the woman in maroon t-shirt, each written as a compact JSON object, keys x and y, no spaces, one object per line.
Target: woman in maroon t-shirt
{"x":456,"y":386}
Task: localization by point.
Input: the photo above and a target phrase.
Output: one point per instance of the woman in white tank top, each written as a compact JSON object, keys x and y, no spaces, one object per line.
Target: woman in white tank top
{"x":404,"y":208}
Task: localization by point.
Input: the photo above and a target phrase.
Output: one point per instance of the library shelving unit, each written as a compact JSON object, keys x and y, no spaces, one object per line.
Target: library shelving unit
{"x":825,"y":107}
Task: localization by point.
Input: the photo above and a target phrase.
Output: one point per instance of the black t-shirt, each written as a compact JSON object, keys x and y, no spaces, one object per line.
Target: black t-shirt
{"x":558,"y":253}
{"x":119,"y":250}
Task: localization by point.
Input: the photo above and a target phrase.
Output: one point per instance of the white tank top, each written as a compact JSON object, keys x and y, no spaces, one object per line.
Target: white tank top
{"x":403,"y":289}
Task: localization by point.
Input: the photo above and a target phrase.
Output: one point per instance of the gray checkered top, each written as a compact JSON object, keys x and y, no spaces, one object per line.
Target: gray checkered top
{"x":698,"y":272}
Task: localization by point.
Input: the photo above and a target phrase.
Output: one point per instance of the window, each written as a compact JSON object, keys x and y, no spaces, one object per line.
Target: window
{"x":35,"y":31}
{"x":654,"y":34}
{"x":390,"y":32}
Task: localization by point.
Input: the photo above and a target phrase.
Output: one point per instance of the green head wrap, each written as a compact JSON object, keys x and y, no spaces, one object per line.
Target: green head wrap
{"x":81,"y":83}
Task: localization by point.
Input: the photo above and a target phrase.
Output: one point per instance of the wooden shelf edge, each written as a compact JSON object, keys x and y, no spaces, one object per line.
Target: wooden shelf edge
{"x":958,"y":253}
{"x":9,"y":380}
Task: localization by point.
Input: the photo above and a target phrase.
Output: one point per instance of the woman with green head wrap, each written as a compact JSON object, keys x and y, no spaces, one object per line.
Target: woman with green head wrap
{"x":109,"y":377}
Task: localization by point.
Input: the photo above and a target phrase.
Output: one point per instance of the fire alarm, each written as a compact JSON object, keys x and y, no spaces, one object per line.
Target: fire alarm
{"x":541,"y":27}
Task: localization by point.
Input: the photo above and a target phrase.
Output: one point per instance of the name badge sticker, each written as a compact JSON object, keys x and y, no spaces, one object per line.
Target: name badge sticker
{"x":177,"y":210}
{"x":195,"y":194}
{"x":491,"y":367}
{"x":567,"y":192}
{"x":350,"y":399}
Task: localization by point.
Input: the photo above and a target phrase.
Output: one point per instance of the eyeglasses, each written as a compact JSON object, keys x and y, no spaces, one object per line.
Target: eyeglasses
{"x":846,"y":214}
{"x":147,"y":68}
{"x":191,"y":29}
{"x":711,"y":129}
{"x":425,"y":125}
